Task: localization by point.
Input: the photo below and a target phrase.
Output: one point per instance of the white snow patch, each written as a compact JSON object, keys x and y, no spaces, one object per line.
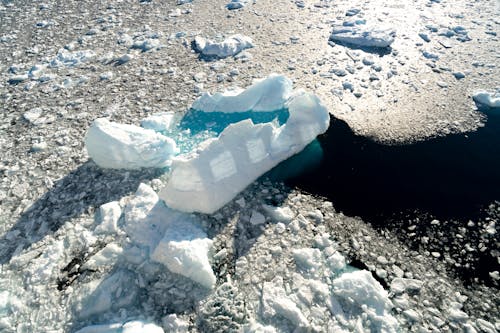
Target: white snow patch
{"x":227,"y":48}
{"x":121,"y":146}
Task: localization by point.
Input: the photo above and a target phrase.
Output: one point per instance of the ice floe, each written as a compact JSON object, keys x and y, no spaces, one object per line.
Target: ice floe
{"x":230,"y":46}
{"x":122,"y":146}
{"x":244,"y":150}
{"x":363,"y":35}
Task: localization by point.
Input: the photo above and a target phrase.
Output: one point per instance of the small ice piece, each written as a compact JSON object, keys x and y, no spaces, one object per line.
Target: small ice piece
{"x":33,"y":115}
{"x":236,"y":4}
{"x":361,"y":289}
{"x":222,"y":166}
{"x":352,"y":12}
{"x":276,"y":302}
{"x":487,"y":99}
{"x":269,"y":94}
{"x":458,"y":75}
{"x":308,"y":259}
{"x":255,"y":327}
{"x":173,"y":324}
{"x":109,"y":215}
{"x":363,"y":35}
{"x":429,"y":55}
{"x":18,"y":78}
{"x":66,"y":58}
{"x":146,"y":44}
{"x":281,"y":214}
{"x":228,"y":47}
{"x":401,"y":285}
{"x":120,"y":146}
{"x":106,"y":328}
{"x":257,"y":218}
{"x":425,"y":37}
{"x":105,"y":257}
{"x":159,"y":122}
{"x":184,"y":250}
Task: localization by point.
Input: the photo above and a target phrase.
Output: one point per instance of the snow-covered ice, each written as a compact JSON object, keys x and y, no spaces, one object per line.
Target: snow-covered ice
{"x":230,"y":46}
{"x":122,"y":146}
{"x":363,"y":35}
{"x":220,"y":166}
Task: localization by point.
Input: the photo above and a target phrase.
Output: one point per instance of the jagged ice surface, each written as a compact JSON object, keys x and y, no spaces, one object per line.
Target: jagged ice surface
{"x":228,"y":47}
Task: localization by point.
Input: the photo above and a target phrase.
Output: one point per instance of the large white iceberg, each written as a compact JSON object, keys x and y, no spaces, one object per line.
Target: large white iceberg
{"x":487,"y":98}
{"x":363,"y":35}
{"x":206,"y":179}
{"x":121,"y":146}
{"x":228,"y":47}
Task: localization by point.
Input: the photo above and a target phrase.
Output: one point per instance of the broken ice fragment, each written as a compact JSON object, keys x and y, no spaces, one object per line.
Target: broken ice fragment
{"x":360,"y":289}
{"x":184,"y":250}
{"x":228,"y":47}
{"x":243,"y":151}
{"x":109,"y":215}
{"x":66,"y":58}
{"x":236,"y":4}
{"x":159,"y":122}
{"x":363,"y":35}
{"x":120,"y":146}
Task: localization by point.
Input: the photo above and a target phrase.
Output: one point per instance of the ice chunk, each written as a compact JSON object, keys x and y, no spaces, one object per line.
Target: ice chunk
{"x":228,"y":47}
{"x":243,"y":152}
{"x":281,"y":214}
{"x":109,"y":214}
{"x":363,"y":35}
{"x":269,"y":94}
{"x":487,"y":99}
{"x":361,"y":289}
{"x":236,"y":4}
{"x":276,"y":302}
{"x":184,"y":250}
{"x":135,"y":326}
{"x":255,"y":327}
{"x":120,"y":146}
{"x":105,"y":257}
{"x":159,"y":122}
{"x":66,"y":58}
{"x":308,"y":258}
{"x":173,"y":324}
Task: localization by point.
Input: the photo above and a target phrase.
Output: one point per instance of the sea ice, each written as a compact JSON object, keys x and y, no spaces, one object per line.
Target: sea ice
{"x":120,"y":146}
{"x":269,"y":94}
{"x":487,"y":98}
{"x":363,"y":35}
{"x":228,"y":47}
{"x":236,"y":4}
{"x":211,"y":176}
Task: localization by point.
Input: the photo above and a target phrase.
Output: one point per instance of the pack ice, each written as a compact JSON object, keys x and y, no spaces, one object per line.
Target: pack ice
{"x":228,"y":47}
{"x":122,"y":146}
{"x":361,"y":34}
{"x":209,"y":177}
